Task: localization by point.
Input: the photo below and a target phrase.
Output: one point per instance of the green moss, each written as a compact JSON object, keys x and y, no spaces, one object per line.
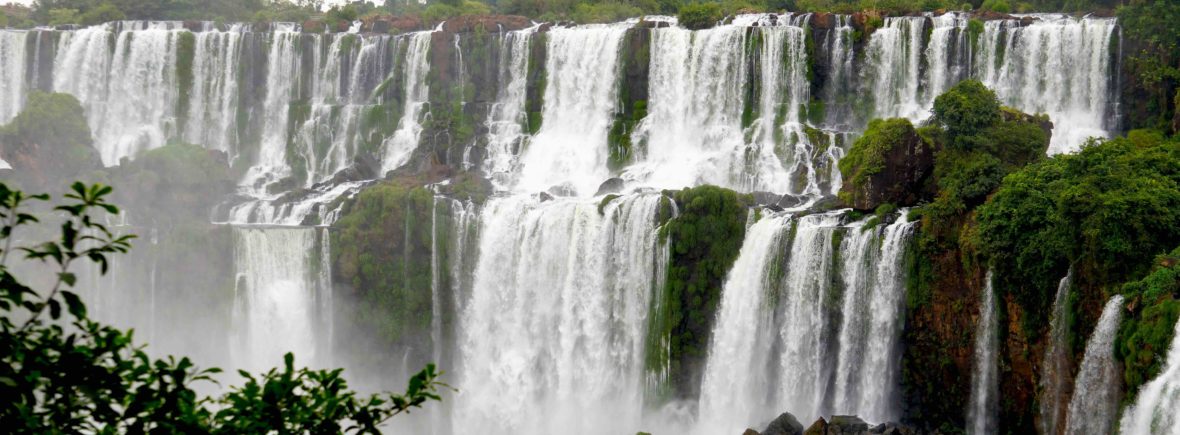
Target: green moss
{"x":1146,"y":335}
{"x":867,"y":156}
{"x":606,"y":200}
{"x":705,"y":239}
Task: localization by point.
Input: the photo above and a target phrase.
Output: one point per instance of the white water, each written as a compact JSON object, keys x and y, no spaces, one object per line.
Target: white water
{"x":1056,"y":367}
{"x":400,"y":146}
{"x":985,"y":382}
{"x":1154,"y":411}
{"x":580,"y":97}
{"x":552,"y":337}
{"x":12,"y":73}
{"x":1095,"y":402}
{"x":213,"y":102}
{"x":275,"y":303}
{"x":738,"y":351}
{"x":1057,"y":65}
{"x":507,"y":118}
{"x":282,"y":74}
{"x":895,"y":53}
{"x":869,"y":364}
{"x":129,"y":93}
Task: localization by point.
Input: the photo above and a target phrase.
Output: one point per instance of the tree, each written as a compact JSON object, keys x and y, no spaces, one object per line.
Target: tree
{"x":61,"y":372}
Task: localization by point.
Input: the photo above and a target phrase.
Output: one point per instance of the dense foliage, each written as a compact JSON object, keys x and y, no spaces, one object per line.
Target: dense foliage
{"x":49,"y":139}
{"x":1146,"y":334}
{"x":1152,"y":52}
{"x":61,"y":372}
{"x":705,"y":240}
{"x":1108,"y":210}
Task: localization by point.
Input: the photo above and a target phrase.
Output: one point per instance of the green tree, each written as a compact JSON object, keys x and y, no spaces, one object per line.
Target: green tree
{"x":700,"y":15}
{"x":964,"y":111}
{"x":61,"y":372}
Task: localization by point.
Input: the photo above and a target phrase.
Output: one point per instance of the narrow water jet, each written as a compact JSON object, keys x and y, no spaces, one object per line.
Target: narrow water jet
{"x":985,"y":381}
{"x":1095,"y":402}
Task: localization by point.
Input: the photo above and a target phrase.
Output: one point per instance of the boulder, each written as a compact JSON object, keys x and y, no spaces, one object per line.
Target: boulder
{"x":820,"y":427}
{"x":890,"y":164}
{"x":611,"y":185}
{"x":847,"y":425}
{"x":784,"y":424}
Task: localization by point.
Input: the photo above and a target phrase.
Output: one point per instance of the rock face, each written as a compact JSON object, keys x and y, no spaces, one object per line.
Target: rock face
{"x":892,"y":165}
{"x":785,"y":424}
{"x":849,"y":425}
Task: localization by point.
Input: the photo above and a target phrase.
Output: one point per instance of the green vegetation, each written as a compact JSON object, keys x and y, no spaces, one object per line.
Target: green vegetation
{"x":867,"y":155}
{"x":1108,"y":210}
{"x":700,"y":15}
{"x":1152,"y":52}
{"x":1146,"y":334}
{"x":381,"y":252}
{"x":705,"y":239}
{"x":63,"y":372}
{"x":50,"y":139}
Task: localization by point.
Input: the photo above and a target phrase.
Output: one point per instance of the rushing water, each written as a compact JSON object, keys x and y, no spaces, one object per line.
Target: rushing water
{"x":1095,"y":402}
{"x":553,"y":336}
{"x":580,"y":97}
{"x":542,"y":306}
{"x":1154,"y":411}
{"x":1056,"y":367}
{"x":985,"y":381}
{"x":277,"y":293}
{"x":779,"y":295}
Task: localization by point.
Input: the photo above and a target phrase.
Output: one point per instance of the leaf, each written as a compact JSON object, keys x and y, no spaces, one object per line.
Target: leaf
{"x":54,"y":309}
{"x":74,"y":303}
{"x":68,"y":278}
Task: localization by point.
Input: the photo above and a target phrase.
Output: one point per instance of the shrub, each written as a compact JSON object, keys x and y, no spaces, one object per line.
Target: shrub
{"x":965,"y":110}
{"x":104,"y":13}
{"x":1145,"y":335}
{"x":1000,"y":6}
{"x":697,"y":16}
{"x":867,"y":155}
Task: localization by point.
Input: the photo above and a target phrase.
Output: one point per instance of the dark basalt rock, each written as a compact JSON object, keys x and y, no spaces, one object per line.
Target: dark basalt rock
{"x":848,"y":425}
{"x":611,"y":185}
{"x":785,"y":424}
{"x":901,"y":181}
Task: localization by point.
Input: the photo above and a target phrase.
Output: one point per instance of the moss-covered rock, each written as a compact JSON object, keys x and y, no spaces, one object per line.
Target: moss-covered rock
{"x":890,"y":163}
{"x":49,"y":142}
{"x":705,"y":239}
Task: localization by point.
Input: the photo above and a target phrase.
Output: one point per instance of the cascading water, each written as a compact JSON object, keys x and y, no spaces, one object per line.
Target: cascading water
{"x":507,"y":117}
{"x":1095,"y":402}
{"x":895,"y":53}
{"x":580,"y":97}
{"x":839,"y":90}
{"x":946,"y":55}
{"x":552,"y":338}
{"x":275,"y":304}
{"x":874,"y":291}
{"x":401,"y":145}
{"x":985,"y":384}
{"x":12,"y":73}
{"x":129,"y":92}
{"x":213,"y":102}
{"x":1154,"y":411}
{"x":735,"y":375}
{"x":1056,"y":367}
{"x":1058,"y":65}
{"x":282,"y":74}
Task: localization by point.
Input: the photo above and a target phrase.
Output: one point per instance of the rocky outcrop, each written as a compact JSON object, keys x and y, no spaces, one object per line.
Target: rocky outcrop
{"x":890,"y":164}
{"x":785,"y":424}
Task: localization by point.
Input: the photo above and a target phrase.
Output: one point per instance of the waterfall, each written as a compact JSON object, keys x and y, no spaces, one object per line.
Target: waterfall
{"x":736,"y":382}
{"x":282,"y":74}
{"x":895,"y":58}
{"x":807,"y":343}
{"x":1154,"y":411}
{"x":400,"y":146}
{"x":869,"y":364}
{"x":580,"y":97}
{"x":839,"y":89}
{"x":507,"y":117}
{"x":1056,"y":367}
{"x":130,"y":92}
{"x":275,"y":303}
{"x":1057,"y":65}
{"x":945,"y":55}
{"x":12,"y":73}
{"x":1096,"y":396}
{"x":785,"y":92}
{"x":985,"y":381}
{"x":552,"y":336}
{"x":213,"y":102}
